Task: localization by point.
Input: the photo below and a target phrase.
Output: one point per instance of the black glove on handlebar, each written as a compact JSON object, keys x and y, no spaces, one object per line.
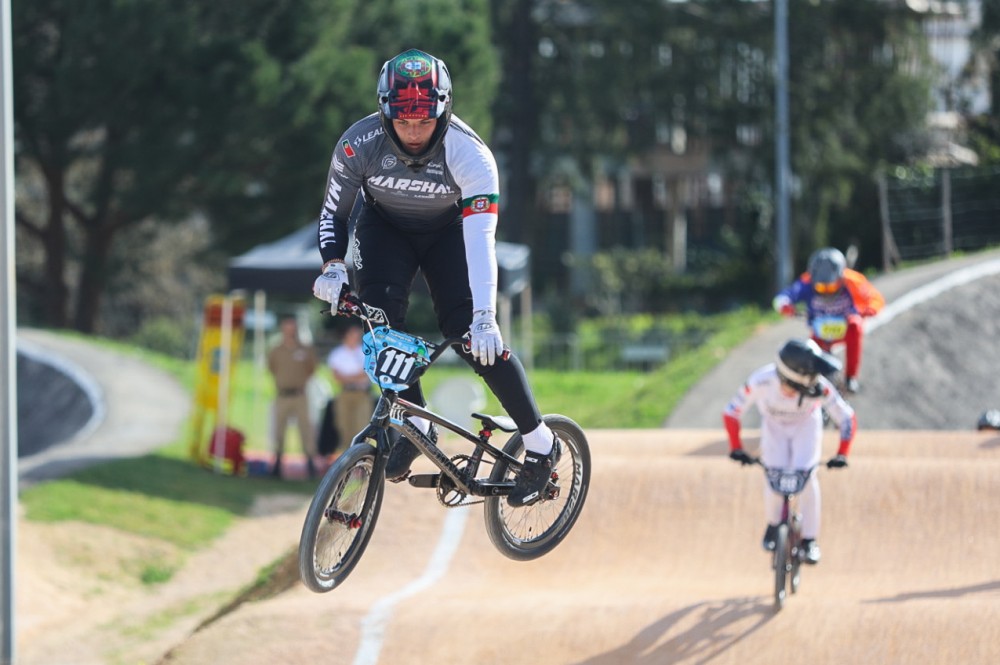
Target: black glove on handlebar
{"x":837,"y":462}
{"x":741,"y":456}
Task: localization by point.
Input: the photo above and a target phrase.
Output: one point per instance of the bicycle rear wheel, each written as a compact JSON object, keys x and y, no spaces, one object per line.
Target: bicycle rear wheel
{"x":781,"y":555}
{"x":340,"y":519}
{"x":529,"y":532}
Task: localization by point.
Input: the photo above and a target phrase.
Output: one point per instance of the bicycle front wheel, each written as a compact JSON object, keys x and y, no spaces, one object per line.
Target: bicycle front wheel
{"x":529,"y":532}
{"x":795,"y":549}
{"x":340,"y":520}
{"x":780,"y":565}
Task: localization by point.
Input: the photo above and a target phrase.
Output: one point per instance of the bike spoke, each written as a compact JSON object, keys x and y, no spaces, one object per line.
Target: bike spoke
{"x":337,"y":533}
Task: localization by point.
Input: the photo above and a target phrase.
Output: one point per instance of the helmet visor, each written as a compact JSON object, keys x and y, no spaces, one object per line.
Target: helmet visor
{"x":413,"y":102}
{"x":827,"y":288}
{"x":800,"y":381}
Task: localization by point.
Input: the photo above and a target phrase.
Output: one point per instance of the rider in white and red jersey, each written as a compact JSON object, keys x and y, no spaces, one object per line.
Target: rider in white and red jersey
{"x":790,"y":395}
{"x":428,"y":192}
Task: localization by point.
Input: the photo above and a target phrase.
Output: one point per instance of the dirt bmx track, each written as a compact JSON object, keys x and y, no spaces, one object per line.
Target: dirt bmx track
{"x":664,"y":566}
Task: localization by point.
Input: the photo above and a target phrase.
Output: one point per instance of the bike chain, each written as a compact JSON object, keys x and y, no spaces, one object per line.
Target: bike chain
{"x":442,"y":492}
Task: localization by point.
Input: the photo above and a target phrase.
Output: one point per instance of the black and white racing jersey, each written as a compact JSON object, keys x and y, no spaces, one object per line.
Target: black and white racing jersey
{"x":461,"y":178}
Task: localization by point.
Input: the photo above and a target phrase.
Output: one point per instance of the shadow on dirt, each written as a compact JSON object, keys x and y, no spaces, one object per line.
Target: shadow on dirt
{"x":717,"y":626}
{"x":941,"y":594}
{"x":183,"y":481}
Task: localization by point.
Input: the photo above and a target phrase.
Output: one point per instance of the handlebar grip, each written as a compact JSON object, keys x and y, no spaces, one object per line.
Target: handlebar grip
{"x":349,"y":304}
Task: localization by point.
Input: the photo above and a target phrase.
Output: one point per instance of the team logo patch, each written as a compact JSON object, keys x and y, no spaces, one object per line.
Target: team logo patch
{"x":348,"y":150}
{"x":388,"y":162}
{"x":413,"y":66}
{"x":480,"y":204}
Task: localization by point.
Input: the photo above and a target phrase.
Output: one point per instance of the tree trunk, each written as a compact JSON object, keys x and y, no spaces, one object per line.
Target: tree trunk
{"x":56,"y":301}
{"x":93,"y":276}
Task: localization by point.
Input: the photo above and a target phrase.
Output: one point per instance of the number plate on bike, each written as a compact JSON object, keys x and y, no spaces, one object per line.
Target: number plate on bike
{"x":394,"y":359}
{"x":787,"y":482}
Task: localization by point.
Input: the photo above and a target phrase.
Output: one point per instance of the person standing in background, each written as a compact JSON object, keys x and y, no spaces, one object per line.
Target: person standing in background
{"x":352,"y":406}
{"x":292,"y":363}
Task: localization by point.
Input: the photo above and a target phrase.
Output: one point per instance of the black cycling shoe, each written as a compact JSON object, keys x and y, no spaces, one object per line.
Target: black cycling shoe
{"x":531,"y":482}
{"x":770,"y":537}
{"x":401,"y":456}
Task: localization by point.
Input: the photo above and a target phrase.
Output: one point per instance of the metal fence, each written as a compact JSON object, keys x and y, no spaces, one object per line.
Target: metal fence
{"x":935,"y":214}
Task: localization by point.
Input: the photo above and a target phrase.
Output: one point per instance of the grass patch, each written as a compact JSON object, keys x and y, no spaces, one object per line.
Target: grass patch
{"x":157,"y":496}
{"x":167,"y":496}
{"x":629,"y":399}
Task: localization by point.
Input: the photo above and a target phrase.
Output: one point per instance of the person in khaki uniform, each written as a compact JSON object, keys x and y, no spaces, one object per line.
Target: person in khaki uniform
{"x":292,"y":364}
{"x":353,"y":405}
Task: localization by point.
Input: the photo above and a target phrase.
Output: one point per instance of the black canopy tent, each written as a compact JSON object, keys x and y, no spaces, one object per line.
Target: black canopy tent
{"x":289,"y":266}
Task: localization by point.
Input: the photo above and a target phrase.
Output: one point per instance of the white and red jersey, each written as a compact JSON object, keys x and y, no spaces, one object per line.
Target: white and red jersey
{"x":791,"y":425}
{"x":791,"y":435}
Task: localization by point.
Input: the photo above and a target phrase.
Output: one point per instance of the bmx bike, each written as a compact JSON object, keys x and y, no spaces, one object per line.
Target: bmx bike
{"x":788,"y":553}
{"x":345,"y":507}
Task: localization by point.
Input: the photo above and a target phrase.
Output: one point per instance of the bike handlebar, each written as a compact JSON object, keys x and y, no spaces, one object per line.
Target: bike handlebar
{"x":352,"y":305}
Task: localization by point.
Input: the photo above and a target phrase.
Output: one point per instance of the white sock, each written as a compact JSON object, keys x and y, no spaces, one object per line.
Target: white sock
{"x":539,"y":440}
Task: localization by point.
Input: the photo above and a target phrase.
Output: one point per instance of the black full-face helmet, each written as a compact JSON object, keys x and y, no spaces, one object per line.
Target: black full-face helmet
{"x":412,"y":86}
{"x":800,"y":363}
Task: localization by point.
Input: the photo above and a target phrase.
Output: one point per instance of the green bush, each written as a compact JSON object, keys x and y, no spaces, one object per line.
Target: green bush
{"x":172,"y":337}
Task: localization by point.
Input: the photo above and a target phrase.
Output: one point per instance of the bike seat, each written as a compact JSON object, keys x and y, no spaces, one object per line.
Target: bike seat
{"x":503,"y":423}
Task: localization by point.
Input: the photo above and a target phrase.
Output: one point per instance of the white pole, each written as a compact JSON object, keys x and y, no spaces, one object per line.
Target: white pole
{"x":8,"y":346}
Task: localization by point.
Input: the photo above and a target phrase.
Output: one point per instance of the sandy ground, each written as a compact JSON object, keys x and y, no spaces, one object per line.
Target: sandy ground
{"x":664,"y":565}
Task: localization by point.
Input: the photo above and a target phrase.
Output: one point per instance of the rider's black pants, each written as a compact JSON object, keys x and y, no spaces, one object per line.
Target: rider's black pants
{"x":386,"y":261}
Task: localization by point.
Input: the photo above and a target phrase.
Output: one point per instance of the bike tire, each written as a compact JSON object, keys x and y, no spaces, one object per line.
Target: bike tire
{"x":796,"y":558}
{"x":529,"y":532}
{"x":781,"y":554}
{"x":331,"y":546}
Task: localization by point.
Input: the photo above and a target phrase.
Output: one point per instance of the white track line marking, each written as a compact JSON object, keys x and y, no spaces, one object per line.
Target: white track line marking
{"x":373,"y":625}
{"x":930,"y":290}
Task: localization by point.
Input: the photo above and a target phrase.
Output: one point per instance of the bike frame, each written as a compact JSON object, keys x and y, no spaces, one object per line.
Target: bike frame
{"x":788,"y":512}
{"x":342,"y":516}
{"x":786,"y":560}
{"x":391,"y":411}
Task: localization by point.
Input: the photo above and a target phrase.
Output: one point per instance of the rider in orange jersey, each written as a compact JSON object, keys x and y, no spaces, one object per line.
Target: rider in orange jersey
{"x":837,"y":301}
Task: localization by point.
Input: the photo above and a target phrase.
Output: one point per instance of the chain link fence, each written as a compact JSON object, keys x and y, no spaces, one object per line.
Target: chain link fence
{"x":926,"y":215}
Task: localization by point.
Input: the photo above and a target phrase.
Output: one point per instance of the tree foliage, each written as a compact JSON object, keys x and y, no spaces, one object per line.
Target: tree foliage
{"x":129,"y":110}
{"x":613,"y":79}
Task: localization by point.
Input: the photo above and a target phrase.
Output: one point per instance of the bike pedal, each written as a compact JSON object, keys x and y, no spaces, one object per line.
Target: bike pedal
{"x":426,"y":480}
